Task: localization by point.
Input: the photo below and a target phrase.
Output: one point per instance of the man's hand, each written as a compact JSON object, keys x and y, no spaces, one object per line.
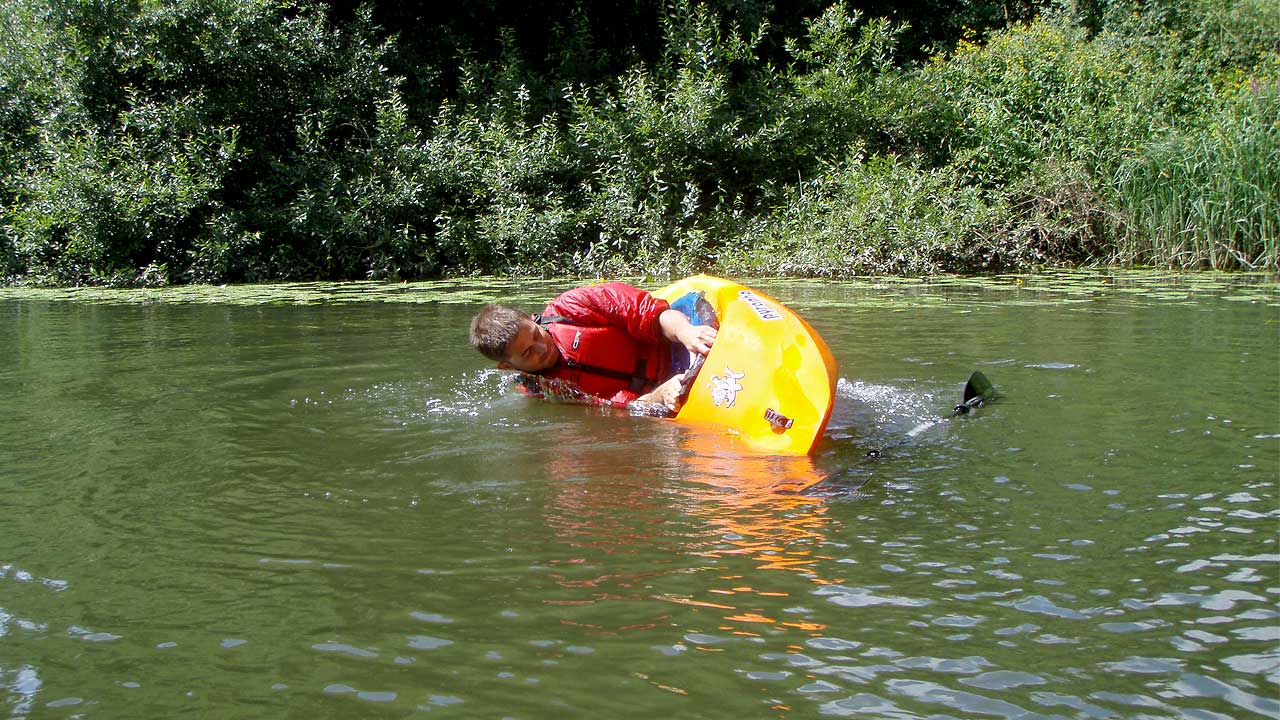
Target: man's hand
{"x":677,"y":328}
{"x":668,"y":394}
{"x":698,"y":338}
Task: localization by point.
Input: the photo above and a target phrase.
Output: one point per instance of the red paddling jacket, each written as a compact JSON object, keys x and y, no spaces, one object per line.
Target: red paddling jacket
{"x":610,"y":342}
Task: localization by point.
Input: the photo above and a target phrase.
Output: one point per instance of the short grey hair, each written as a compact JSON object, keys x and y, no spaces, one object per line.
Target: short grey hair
{"x":493,"y":328}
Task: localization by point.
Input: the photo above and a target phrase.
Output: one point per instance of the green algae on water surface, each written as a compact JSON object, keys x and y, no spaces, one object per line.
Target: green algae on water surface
{"x":1059,"y":286}
{"x":482,"y":290}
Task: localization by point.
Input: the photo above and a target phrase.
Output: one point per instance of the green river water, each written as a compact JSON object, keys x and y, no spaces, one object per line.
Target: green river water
{"x":316,"y":501}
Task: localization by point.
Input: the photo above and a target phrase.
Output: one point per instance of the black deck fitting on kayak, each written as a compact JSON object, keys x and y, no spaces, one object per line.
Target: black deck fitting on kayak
{"x":779,"y":421}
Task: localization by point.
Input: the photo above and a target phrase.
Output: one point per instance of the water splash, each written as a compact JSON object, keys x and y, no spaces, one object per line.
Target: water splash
{"x":426,"y":401}
{"x":884,"y":409}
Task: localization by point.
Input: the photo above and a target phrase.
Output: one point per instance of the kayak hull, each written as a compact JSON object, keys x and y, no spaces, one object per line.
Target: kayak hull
{"x":769,"y":379}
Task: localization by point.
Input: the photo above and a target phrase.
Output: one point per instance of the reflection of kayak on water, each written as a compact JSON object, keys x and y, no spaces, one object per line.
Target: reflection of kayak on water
{"x":769,"y":378}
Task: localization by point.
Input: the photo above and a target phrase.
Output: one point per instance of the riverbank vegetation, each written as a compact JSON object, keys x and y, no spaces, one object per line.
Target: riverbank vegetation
{"x":146,"y":143}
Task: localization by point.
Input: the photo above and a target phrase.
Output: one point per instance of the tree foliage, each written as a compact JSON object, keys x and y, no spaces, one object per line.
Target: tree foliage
{"x":241,"y":140}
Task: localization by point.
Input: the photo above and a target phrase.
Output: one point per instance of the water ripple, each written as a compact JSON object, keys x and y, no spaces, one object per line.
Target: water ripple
{"x":866,"y":597}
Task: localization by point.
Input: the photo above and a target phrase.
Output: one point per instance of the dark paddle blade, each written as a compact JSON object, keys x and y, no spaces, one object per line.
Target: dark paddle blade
{"x":978,"y":386}
{"x":977,"y":391}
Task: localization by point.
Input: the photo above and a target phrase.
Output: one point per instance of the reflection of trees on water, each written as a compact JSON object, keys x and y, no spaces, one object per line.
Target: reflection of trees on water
{"x":656,"y":507}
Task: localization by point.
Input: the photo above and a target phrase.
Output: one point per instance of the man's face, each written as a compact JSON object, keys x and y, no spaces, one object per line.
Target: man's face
{"x":532,"y":349}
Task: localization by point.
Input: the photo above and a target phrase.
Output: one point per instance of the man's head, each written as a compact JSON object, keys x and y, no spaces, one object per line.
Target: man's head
{"x":513,"y":340}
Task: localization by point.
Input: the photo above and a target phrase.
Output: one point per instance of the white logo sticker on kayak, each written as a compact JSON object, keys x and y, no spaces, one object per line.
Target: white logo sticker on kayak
{"x":760,"y":305}
{"x":724,"y":390}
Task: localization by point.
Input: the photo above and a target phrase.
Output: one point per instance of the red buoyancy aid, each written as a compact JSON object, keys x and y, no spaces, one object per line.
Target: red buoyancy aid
{"x":605,"y":361}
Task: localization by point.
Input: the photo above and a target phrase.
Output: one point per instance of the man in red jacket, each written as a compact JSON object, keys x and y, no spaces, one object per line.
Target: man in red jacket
{"x":611,"y":341}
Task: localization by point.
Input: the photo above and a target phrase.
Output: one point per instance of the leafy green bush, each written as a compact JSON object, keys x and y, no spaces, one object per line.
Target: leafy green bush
{"x":232,"y":140}
{"x":874,"y":216}
{"x":174,"y":146}
{"x":112,"y":202}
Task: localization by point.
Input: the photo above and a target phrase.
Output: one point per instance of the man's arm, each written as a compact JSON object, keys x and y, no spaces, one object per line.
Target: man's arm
{"x":612,"y":305}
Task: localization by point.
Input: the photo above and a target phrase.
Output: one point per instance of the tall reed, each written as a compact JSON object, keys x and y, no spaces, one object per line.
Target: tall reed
{"x":1209,"y":198}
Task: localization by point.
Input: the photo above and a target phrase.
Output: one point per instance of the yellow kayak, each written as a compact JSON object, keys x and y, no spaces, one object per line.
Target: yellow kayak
{"x":769,"y":379}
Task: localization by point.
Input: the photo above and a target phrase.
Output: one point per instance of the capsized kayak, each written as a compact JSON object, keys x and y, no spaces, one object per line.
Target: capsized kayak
{"x":769,"y":378}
